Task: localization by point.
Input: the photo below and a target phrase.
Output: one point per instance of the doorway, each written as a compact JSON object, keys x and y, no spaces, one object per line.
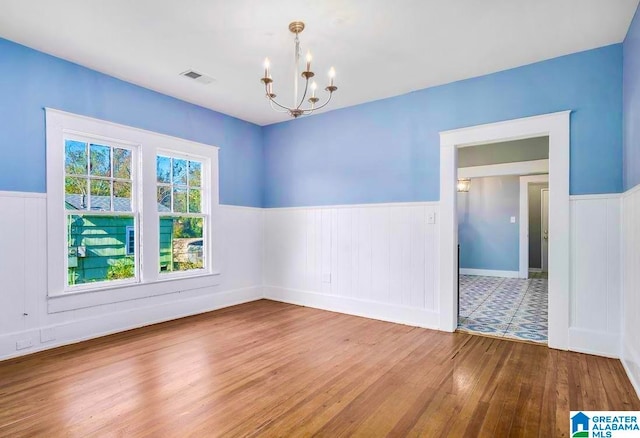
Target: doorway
{"x":557,"y":127}
{"x":496,"y":208}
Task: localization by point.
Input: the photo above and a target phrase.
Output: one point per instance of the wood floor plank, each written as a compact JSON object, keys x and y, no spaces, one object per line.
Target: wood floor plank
{"x":274,"y":369}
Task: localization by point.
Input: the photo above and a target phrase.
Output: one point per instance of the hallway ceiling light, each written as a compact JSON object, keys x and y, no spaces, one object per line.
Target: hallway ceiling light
{"x":464,"y":184}
{"x":297,"y":109}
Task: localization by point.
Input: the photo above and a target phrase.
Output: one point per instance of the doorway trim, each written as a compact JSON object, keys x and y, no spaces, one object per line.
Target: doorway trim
{"x":557,"y":127}
{"x":524,"y":220}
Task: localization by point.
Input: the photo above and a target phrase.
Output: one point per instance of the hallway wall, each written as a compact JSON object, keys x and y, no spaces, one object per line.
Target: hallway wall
{"x":488,"y":240}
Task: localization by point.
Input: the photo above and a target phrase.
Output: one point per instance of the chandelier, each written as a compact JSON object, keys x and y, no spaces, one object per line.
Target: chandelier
{"x":297,"y":109}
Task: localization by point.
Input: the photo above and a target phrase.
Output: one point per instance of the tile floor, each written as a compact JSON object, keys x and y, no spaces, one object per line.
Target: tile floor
{"x":505,"y":307}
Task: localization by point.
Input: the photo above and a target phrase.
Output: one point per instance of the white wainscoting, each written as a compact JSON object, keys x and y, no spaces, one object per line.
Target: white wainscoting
{"x":24,"y":314}
{"x":595,"y":296}
{"x":631,"y":285}
{"x":378,"y":261}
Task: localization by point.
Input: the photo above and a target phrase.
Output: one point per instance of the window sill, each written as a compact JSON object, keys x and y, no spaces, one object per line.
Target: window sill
{"x":72,"y":300}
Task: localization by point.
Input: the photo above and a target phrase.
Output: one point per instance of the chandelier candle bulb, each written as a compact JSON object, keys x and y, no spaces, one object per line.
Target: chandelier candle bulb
{"x":332,"y":75}
{"x":267,"y":65}
{"x":308,"y":61}
{"x":313,"y":89}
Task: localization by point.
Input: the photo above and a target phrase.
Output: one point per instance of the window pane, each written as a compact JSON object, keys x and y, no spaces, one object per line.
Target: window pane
{"x":75,"y":190}
{"x":75,"y":157}
{"x":121,"y":196}
{"x":121,"y":163}
{"x":163,"y":169}
{"x":195,"y":203}
{"x":180,"y":172}
{"x":181,"y":243}
{"x":100,"y":157}
{"x":179,"y":200}
{"x":100,"y":195}
{"x":164,"y":198}
{"x":97,"y":249}
{"x":195,"y":174}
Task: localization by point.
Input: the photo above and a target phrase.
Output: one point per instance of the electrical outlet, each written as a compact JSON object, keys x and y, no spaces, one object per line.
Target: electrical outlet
{"x":326,"y":278}
{"x":47,"y":335}
{"x":24,"y":343}
{"x":431,"y":217}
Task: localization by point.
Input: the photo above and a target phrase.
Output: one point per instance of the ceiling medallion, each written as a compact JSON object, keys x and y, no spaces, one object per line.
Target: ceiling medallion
{"x":297,"y":109}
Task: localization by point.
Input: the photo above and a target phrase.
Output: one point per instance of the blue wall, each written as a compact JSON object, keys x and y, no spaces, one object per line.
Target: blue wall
{"x":383,"y":151}
{"x":388,"y":150}
{"x":631,"y":104}
{"x":31,"y":80}
{"x":487,"y":238}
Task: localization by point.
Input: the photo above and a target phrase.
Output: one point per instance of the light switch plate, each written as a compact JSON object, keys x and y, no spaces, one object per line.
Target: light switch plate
{"x":513,"y":219}
{"x":431,"y":217}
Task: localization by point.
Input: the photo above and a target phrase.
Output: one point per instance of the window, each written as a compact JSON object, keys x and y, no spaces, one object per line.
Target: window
{"x":182,"y":221}
{"x":126,"y":208}
{"x":100,"y":209}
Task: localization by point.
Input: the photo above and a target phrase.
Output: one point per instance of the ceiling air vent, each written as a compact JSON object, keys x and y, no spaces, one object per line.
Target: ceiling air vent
{"x":198,"y":77}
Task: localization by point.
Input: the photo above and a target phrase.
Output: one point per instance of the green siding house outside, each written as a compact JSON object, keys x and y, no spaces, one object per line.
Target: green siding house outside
{"x":104,"y":239}
{"x":99,"y":245}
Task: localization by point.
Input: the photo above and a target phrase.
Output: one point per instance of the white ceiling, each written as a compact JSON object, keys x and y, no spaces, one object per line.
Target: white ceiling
{"x":380,"y":48}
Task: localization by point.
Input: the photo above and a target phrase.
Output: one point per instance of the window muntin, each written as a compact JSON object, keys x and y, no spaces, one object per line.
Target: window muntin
{"x":99,"y":205}
{"x":179,"y":185}
{"x":183,"y":219}
{"x":98,"y":177}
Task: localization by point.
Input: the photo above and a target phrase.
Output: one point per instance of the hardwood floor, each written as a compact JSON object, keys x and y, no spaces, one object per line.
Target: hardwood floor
{"x":273,"y":369}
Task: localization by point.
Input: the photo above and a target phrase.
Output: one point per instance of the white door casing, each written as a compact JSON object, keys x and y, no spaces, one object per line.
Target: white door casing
{"x":557,"y":127}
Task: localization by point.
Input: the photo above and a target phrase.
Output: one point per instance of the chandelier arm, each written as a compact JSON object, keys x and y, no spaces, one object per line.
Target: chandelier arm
{"x":324,"y":104}
{"x":271,"y":102}
{"x":307,"y":111}
{"x":306,"y":87}
{"x":281,"y":106}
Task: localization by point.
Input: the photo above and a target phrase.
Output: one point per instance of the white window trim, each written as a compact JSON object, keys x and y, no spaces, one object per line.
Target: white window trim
{"x":206,"y":207}
{"x":135,"y":213}
{"x":149,"y":144}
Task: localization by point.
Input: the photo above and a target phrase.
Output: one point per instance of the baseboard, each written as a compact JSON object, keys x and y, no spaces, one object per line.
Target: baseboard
{"x":114,"y":322}
{"x":594,"y":342}
{"x":412,"y":316}
{"x":631,"y":364}
{"x":490,"y":273}
{"x":535,"y":270}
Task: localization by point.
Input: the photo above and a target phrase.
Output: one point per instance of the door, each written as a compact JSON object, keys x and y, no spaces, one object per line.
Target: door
{"x":545,"y":230}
